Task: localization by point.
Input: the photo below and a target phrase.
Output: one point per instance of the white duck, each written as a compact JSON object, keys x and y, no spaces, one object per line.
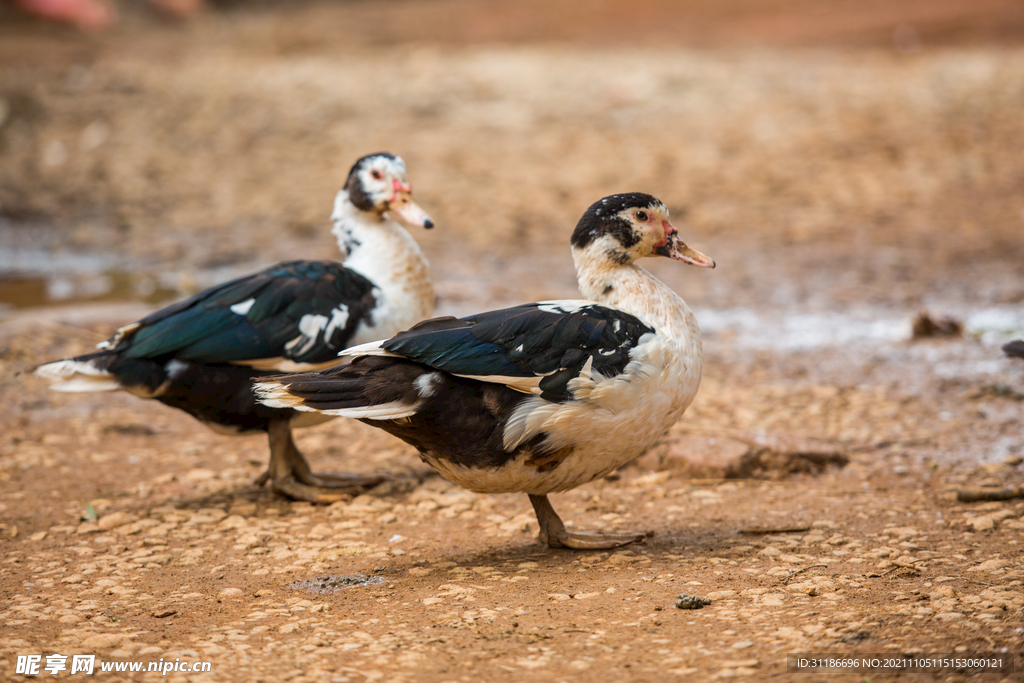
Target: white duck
{"x":202,"y":354}
{"x":541,"y":397}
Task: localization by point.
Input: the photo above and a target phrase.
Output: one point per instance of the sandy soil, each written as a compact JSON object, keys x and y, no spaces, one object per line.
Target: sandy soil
{"x":844,"y":173}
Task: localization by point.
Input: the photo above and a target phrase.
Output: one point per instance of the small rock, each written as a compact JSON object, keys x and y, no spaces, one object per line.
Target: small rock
{"x":686,"y":601}
{"x":983,"y":523}
{"x":990,"y":566}
{"x":742,"y":664}
{"x":115,"y":519}
{"x":102,"y":641}
{"x":925,"y":326}
{"x":230,"y":592}
{"x":234,"y":521}
{"x":164,"y":613}
{"x":703,"y":457}
{"x":902,"y":532}
{"x":199,"y":474}
{"x":719,"y":595}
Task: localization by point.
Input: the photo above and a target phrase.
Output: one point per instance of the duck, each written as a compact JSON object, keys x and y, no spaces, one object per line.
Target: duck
{"x":542,"y":397}
{"x":202,"y":354}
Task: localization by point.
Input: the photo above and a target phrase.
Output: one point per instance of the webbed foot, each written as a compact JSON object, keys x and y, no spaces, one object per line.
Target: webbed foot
{"x":555,"y":535}
{"x":289,"y":473}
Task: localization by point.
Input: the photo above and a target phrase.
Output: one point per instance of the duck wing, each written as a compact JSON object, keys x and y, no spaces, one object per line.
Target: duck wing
{"x":535,"y":348}
{"x":291,"y":316}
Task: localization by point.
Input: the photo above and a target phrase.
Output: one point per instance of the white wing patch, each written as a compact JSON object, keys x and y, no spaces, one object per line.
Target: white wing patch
{"x":242,"y":307}
{"x":563,"y":305}
{"x":339,"y":318}
{"x":175,"y":367}
{"x":310,"y":326}
{"x":427,"y":383}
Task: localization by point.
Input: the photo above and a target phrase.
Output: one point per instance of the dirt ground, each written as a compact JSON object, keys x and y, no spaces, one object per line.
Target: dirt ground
{"x":846,"y":164}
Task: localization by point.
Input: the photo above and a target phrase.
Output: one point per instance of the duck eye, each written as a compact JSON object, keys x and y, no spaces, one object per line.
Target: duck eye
{"x":376,"y":174}
{"x":641,"y":216}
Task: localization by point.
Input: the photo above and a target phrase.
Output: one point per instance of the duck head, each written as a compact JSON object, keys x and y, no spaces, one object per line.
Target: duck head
{"x":626,"y":227}
{"x":378,"y":183}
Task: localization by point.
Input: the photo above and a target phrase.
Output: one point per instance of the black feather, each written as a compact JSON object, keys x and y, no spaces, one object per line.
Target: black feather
{"x":357,"y":194}
{"x":602,"y":218}
{"x":187,"y":355}
{"x":205,"y":329}
{"x":462,"y":421}
{"x":525,"y":341}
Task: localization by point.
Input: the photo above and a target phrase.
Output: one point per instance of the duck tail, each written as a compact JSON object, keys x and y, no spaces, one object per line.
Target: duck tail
{"x":369,"y":389}
{"x":90,"y":372}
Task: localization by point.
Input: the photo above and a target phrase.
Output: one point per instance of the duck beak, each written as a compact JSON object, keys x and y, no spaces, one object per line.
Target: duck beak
{"x":405,"y":207}
{"x":675,"y":248}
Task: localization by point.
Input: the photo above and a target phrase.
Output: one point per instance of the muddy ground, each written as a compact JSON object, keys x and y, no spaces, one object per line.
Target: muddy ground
{"x":846,"y":166}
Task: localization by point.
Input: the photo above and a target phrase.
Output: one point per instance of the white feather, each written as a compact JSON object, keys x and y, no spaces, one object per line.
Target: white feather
{"x":563,"y":305}
{"x":77,"y":376}
{"x":175,"y":367}
{"x":287,"y":365}
{"x":275,"y":395}
{"x":243,"y":307}
{"x":426,"y":384}
{"x":310,"y":325}
{"x":385,"y":411}
{"x":368,"y":349}
{"x":527,"y":385}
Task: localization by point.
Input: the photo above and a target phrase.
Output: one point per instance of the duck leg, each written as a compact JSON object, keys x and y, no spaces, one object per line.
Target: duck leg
{"x":554,"y":533}
{"x":289,"y":473}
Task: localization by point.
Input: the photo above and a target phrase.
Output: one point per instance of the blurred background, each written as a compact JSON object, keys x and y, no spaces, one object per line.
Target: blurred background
{"x":847,"y":163}
{"x":837,"y":157}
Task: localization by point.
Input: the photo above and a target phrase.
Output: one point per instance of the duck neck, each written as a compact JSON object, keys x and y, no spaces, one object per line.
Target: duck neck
{"x":381,"y":250}
{"x":633,"y":289}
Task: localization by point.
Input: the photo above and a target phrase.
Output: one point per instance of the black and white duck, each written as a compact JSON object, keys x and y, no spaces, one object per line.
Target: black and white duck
{"x":542,"y":397}
{"x":202,"y":354}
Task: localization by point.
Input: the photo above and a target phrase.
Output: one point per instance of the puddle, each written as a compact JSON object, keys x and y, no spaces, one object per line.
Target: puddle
{"x":38,"y":267}
{"x":321,"y":585}
{"x":795,"y":331}
{"x":33,"y":289}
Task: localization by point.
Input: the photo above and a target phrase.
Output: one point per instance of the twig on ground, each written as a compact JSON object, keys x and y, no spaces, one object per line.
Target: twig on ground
{"x":802,"y":570}
{"x":897,"y":566}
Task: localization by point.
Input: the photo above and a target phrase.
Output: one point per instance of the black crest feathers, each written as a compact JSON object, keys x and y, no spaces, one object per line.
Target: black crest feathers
{"x":356,"y":192}
{"x":602,"y":218}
